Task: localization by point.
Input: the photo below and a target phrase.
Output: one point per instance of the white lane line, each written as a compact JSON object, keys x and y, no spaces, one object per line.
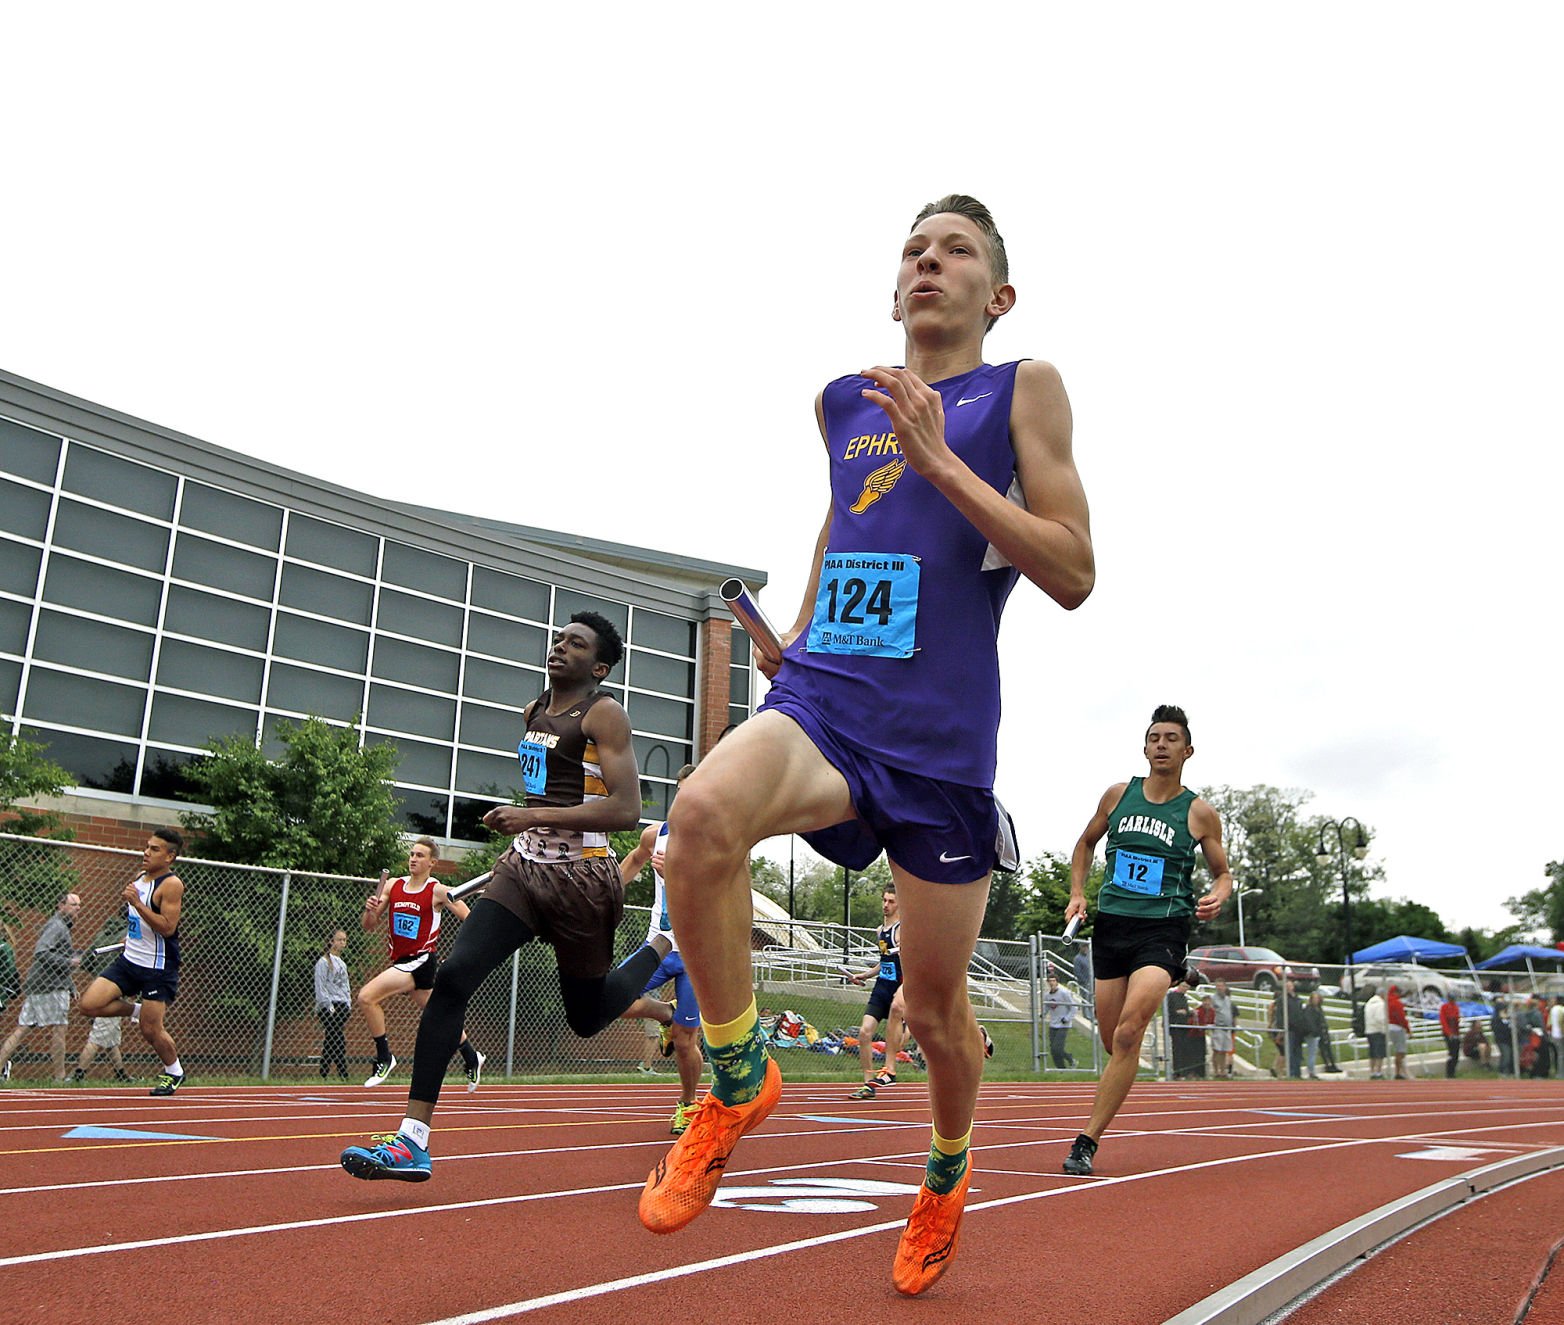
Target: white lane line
{"x":217,"y":1235}
{"x":1214,"y":1132}
{"x":214,"y":1235}
{"x":657,"y":1143}
{"x":348,"y":1110}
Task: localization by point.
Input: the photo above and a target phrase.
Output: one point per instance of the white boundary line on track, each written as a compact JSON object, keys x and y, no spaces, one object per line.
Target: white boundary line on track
{"x":1195,"y":1132}
{"x":69,"y":1253}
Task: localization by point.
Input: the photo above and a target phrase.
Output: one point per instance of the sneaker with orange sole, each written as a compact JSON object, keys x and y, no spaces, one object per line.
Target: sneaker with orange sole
{"x":686,"y":1178}
{"x":928,"y":1243}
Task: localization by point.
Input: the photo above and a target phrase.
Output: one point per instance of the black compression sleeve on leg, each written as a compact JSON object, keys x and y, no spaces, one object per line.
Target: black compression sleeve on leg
{"x":592,"y":1004}
{"x":488,"y":936}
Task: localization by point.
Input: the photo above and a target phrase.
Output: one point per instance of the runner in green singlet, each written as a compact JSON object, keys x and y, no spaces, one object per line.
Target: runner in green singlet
{"x":1146,"y":906}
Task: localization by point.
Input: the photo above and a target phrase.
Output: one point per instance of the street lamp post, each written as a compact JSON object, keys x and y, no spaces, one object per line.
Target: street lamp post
{"x":1240,"y":894}
{"x":1359,"y":849}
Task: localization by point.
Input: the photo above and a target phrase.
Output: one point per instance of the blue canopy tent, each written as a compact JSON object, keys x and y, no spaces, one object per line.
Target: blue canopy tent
{"x":1523,"y":954}
{"x":1405,"y":948}
{"x":1519,"y":954}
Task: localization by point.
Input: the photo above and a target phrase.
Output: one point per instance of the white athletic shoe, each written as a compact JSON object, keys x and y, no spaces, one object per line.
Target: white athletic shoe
{"x":473,"y":1073}
{"x":382,"y":1071}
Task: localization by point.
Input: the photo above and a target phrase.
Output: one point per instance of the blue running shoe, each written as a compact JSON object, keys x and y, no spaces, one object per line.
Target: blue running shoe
{"x":393,"y":1156}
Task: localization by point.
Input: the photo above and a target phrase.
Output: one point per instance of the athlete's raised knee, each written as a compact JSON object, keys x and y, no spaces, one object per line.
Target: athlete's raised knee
{"x":456,"y":979}
{"x":586,"y":1022}
{"x":702,"y":825}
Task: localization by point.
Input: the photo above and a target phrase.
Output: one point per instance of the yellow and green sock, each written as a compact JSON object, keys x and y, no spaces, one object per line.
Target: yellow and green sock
{"x":737,"y":1050}
{"x":947,"y":1162}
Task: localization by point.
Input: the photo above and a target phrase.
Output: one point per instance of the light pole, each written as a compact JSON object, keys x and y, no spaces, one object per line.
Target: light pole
{"x":1240,"y":894}
{"x":1322,"y":855}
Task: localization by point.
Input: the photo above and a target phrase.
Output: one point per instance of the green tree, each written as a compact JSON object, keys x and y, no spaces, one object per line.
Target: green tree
{"x":1481,"y":944}
{"x":1047,"y":888}
{"x":819,"y":889}
{"x":1543,"y":908}
{"x":326,"y":805}
{"x":25,"y":774}
{"x":1376,"y":919}
{"x":30,"y":881}
{"x":1271,"y":846}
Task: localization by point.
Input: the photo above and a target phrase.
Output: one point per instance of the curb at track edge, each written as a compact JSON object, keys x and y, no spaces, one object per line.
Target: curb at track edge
{"x":1265,"y":1291}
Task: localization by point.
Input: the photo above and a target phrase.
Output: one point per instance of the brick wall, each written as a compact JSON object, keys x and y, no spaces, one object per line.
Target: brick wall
{"x":130,"y":833}
{"x":716,"y":645}
{"x":102,"y":830}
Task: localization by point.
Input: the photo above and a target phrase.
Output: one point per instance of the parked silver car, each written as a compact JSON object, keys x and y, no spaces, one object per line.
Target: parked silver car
{"x":1418,"y":984}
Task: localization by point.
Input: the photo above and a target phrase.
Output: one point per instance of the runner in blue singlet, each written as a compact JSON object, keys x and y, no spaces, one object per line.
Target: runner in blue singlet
{"x":681,"y":1019}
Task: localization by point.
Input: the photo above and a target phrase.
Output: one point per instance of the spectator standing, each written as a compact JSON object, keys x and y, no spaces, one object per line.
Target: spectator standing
{"x":48,"y":989}
{"x":1222,"y":1030}
{"x":1082,"y":966}
{"x":1276,"y":1028}
{"x":1450,"y":1028}
{"x":1399,"y":1031}
{"x":1059,"y":1010}
{"x":333,"y":1004}
{"x":1205,"y":1018}
{"x":1376,"y":1026}
{"x":1316,"y":1032}
{"x":1187,"y":1043}
{"x":1504,"y":1037}
{"x":1556,"y":1033}
{"x":1534,"y":1042}
{"x":106,"y":1033}
{"x":1316,"y":1000}
{"x":1295,"y":1032}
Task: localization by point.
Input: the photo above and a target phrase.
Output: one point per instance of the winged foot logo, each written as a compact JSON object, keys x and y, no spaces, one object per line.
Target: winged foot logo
{"x":879,"y":482}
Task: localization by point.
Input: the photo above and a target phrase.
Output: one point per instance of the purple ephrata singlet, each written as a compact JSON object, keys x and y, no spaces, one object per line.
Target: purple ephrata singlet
{"x":901,"y":657}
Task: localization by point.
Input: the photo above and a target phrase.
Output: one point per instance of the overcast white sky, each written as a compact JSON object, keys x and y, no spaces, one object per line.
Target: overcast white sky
{"x":1300,"y":270}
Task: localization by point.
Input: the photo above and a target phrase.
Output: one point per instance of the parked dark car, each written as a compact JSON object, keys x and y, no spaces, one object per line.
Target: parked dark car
{"x":1260,"y":968}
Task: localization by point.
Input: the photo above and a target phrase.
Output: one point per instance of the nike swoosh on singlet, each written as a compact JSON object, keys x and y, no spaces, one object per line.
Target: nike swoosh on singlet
{"x":969,"y":400}
{"x":951,"y":860}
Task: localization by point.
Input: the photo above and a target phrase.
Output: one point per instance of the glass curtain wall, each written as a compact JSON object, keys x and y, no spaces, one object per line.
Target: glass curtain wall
{"x":143,"y":613}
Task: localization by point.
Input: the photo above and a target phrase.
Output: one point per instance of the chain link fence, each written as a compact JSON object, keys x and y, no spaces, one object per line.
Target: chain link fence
{"x":250,"y":938}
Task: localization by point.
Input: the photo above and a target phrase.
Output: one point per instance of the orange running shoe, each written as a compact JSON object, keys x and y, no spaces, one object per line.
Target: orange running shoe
{"x":929,"y":1241}
{"x":686,"y":1178}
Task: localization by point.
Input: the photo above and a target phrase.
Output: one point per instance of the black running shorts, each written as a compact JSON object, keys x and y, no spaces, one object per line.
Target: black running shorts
{"x":1121,"y":945}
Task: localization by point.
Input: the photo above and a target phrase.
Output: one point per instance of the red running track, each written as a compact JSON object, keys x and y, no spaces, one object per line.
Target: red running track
{"x":238,"y":1211}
